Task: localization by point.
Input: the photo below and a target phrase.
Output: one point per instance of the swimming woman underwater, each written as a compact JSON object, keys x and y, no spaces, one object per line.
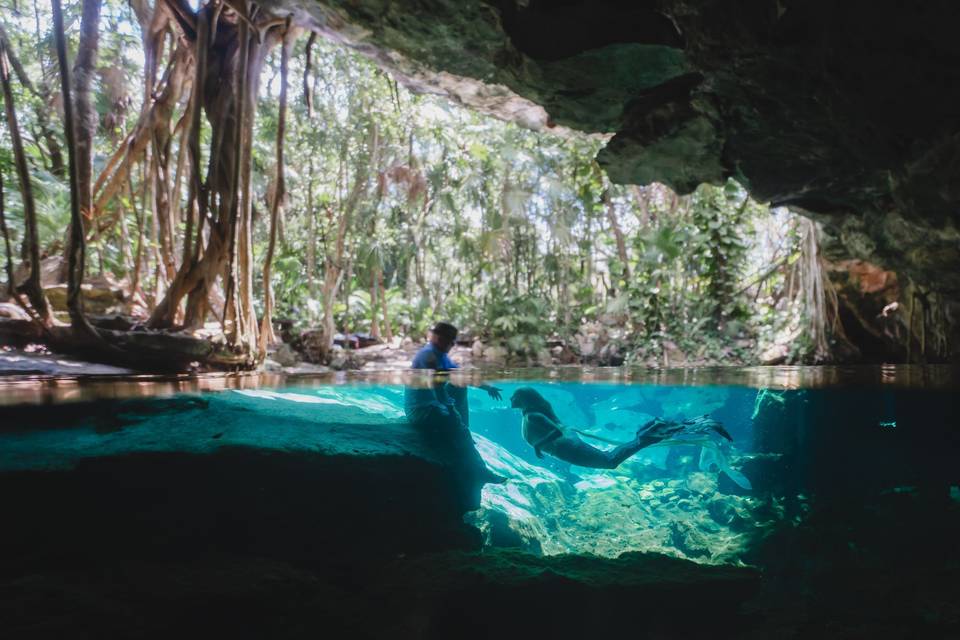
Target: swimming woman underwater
{"x":543,"y":430}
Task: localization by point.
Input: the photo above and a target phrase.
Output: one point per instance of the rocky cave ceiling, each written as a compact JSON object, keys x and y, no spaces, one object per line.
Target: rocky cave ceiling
{"x":849,"y":111}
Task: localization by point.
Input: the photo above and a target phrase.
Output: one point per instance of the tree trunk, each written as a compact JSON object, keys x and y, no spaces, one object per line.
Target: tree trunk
{"x":231,"y":206}
{"x":388,"y":331}
{"x":197,"y":203}
{"x":311,"y":237}
{"x":173,"y":197}
{"x":150,"y":189}
{"x":307,"y":67}
{"x":248,"y":321}
{"x":32,"y":287}
{"x":419,"y":259}
{"x":374,"y":308}
{"x":618,"y":235}
{"x":266,"y":327}
{"x":76,"y":256}
{"x":126,"y":256}
{"x":346,"y":280}
{"x":333,"y":274}
{"x":86,"y":115}
{"x":228,"y":86}
{"x":138,"y":214}
{"x":334,"y":271}
{"x":161,"y":191}
{"x":259,"y":46}
{"x":84,"y":70}
{"x":375,"y":291}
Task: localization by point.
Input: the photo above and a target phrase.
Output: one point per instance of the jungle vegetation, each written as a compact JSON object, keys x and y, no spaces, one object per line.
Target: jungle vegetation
{"x":224,"y":169}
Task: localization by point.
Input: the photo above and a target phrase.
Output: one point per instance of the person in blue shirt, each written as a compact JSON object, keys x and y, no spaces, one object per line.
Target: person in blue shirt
{"x":440,"y":410}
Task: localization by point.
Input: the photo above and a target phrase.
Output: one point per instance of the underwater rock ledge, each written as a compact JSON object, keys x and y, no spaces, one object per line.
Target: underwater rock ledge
{"x":144,"y":519}
{"x":101,"y":478}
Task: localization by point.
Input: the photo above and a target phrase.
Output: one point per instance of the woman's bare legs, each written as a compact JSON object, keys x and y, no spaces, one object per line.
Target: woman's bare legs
{"x":576,"y":451}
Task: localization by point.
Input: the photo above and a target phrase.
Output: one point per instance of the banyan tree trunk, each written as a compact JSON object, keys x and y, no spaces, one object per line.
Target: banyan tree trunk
{"x":76,"y":254}
{"x":227,"y":60}
{"x":84,"y":70}
{"x":84,"y":124}
{"x":228,"y":65}
{"x":266,"y":328}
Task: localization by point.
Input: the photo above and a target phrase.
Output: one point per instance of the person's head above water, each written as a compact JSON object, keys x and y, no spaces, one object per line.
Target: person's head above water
{"x":529,"y":400}
{"x":443,"y":335}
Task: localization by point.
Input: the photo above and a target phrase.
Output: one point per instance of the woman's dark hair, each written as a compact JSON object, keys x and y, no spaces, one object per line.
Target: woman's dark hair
{"x":445,"y":330}
{"x":529,"y":399}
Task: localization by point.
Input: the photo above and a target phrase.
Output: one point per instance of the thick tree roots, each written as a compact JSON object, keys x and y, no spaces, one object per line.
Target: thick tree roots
{"x":142,"y":349}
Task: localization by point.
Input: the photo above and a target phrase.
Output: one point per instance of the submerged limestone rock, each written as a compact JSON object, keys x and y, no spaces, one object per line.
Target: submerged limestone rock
{"x":292,"y":476}
{"x":658,"y":501}
{"x":608,"y":514}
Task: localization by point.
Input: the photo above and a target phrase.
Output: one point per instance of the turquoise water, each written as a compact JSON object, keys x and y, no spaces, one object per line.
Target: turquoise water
{"x":845,"y":474}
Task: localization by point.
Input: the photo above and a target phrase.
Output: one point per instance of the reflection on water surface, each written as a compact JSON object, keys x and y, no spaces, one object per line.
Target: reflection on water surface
{"x":16,"y":389}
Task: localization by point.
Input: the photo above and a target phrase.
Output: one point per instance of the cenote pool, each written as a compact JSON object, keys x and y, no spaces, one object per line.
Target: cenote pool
{"x":290,"y":507}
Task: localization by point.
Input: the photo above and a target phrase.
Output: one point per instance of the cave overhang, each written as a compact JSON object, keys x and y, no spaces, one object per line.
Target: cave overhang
{"x":831,"y":108}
